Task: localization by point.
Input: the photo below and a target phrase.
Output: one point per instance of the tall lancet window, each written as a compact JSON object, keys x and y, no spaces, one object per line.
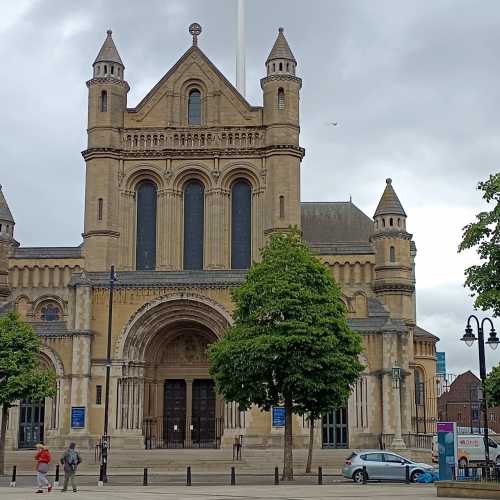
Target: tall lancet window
{"x":194,"y":215}
{"x":146,"y":226}
{"x":194,"y":107}
{"x":104,"y":101}
{"x":241,"y":225}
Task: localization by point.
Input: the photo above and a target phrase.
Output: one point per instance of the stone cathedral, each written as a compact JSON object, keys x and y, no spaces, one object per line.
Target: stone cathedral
{"x":181,"y":193}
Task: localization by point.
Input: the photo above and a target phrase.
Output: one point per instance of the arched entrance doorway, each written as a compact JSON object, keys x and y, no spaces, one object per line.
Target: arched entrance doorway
{"x":166,"y":388}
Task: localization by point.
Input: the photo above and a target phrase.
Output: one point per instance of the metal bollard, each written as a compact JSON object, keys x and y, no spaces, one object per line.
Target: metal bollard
{"x":365,"y":475}
{"x":276,"y":476}
{"x":145,"y":477}
{"x":14,"y":474}
{"x":320,"y":475}
{"x":233,"y":476}
{"x":56,"y":479}
{"x":101,"y":476}
{"x":407,"y":474}
{"x":188,"y":476}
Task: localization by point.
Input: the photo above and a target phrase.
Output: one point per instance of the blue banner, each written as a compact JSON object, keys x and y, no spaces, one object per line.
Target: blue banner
{"x":78,"y":417}
{"x":278,"y":416}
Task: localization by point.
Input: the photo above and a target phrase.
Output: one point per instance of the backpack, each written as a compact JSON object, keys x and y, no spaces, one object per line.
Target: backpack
{"x":72,"y":458}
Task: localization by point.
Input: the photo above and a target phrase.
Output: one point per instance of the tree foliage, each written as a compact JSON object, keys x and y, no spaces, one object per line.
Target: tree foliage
{"x":290,"y":343}
{"x":484,"y":234}
{"x":493,"y":386}
{"x":20,"y":374}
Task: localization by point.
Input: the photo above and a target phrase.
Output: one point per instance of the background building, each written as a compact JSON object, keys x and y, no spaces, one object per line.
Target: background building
{"x":181,"y":193}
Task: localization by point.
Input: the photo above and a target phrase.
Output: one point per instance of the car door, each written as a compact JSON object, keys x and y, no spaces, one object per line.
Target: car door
{"x":374,"y":463}
{"x":394,"y":467}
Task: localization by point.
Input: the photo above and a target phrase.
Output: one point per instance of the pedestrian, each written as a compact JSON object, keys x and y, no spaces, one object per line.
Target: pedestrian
{"x":70,"y":461}
{"x":42,"y":458}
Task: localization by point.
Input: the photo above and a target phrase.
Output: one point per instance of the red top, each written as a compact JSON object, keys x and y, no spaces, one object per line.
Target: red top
{"x":43,"y":457}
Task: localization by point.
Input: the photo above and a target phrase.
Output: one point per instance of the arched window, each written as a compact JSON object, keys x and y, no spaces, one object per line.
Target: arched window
{"x":105,"y":69}
{"x":282,"y":207}
{"x":50,"y":312}
{"x":241,"y":225}
{"x":383,"y":222}
{"x":145,"y":257}
{"x":281,"y":66}
{"x":194,"y":107}
{"x":419,"y":387}
{"x":391,"y":222}
{"x":112,"y":70}
{"x":281,"y":98}
{"x":194,"y":215}
{"x":392,"y":254}
{"x":104,"y":101}
{"x":99,"y":209}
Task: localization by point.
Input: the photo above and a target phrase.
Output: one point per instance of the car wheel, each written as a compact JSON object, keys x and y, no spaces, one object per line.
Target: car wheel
{"x":415,"y":475}
{"x":357,"y":477}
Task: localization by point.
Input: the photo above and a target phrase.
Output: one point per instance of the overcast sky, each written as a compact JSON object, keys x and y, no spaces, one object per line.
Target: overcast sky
{"x":414,"y":86}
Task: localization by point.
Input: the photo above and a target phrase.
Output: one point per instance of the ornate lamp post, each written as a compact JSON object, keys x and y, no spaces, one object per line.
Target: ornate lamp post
{"x":493,"y":342}
{"x":397,"y":441}
{"x":105,"y":436}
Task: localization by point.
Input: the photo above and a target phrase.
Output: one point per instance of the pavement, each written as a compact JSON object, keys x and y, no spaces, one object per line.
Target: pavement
{"x":283,"y":491}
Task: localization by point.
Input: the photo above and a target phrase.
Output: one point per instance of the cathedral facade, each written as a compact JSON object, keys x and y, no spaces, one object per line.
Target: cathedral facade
{"x":181,"y":193}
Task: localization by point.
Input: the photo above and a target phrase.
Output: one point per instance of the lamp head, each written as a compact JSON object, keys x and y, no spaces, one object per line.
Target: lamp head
{"x":469,"y":336}
{"x":493,"y":340}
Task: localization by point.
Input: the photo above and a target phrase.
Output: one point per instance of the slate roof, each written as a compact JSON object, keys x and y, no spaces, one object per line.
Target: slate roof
{"x":5,"y":213}
{"x":336,"y":227}
{"x":389,"y":204}
{"x":108,"y":52}
{"x":164,"y":279}
{"x":420,"y":332}
{"x":281,"y":49}
{"x":48,"y":253}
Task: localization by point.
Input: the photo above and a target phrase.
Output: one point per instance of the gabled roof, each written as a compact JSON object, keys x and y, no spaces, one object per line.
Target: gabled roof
{"x":420,"y":332}
{"x":108,"y":52}
{"x":5,"y":213}
{"x":194,"y":49}
{"x":389,"y":204}
{"x":334,"y":222}
{"x":281,"y":49}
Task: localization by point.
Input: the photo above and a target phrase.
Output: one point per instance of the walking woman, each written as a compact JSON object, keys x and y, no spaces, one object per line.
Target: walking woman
{"x":42,"y":458}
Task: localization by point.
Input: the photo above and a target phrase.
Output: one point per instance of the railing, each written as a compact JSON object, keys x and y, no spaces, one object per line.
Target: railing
{"x":418,"y":441}
{"x":201,"y":432}
{"x":477,"y":472}
{"x":212,"y":138}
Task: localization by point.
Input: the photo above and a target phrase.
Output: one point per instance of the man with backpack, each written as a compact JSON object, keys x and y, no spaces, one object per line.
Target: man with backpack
{"x":70,"y":461}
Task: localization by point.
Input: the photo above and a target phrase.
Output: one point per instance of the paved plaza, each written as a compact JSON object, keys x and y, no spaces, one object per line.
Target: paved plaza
{"x":288,"y":492}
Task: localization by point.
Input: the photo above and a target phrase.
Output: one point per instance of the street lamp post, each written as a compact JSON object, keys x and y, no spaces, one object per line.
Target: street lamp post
{"x":493,"y":342}
{"x":105,"y":436}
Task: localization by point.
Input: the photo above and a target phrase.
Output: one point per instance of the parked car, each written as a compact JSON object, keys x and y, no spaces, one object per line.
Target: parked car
{"x":382,"y":465}
{"x":470,"y":449}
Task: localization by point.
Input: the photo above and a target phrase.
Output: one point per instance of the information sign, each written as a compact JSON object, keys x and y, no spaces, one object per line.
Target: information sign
{"x":278,"y":416}
{"x":447,"y":449}
{"x":78,"y":417}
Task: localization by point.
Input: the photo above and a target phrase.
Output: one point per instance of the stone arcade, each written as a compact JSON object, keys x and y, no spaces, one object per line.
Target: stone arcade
{"x":181,"y":192}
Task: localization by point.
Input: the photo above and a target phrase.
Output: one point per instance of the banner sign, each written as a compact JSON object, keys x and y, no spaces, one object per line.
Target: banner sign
{"x":78,"y":417}
{"x":447,"y":449}
{"x":278,"y":416}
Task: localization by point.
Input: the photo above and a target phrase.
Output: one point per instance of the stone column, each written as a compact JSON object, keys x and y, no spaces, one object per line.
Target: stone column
{"x":127,"y":230}
{"x":257,"y":223}
{"x":397,"y":442}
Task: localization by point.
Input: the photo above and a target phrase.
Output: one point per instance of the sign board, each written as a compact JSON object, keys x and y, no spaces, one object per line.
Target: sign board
{"x":77,"y":417}
{"x":447,"y":449}
{"x":278,"y":413}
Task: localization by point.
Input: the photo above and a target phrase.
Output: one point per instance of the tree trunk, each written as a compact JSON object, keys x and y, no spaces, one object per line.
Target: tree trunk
{"x":288,"y":455}
{"x":3,"y":432}
{"x":311,"y":444}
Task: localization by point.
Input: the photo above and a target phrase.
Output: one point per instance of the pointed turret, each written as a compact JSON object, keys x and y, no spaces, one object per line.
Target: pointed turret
{"x":394,"y":282}
{"x":281,"y":58}
{"x":108,"y":62}
{"x":7,"y":241}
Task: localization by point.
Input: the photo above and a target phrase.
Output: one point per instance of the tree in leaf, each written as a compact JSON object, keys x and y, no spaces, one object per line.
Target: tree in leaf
{"x":20,"y":375}
{"x":492,"y":386}
{"x":290,"y":343}
{"x":484,"y":234}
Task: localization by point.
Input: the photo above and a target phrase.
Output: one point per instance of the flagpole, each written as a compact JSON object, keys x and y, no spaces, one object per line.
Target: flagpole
{"x":240,"y":50}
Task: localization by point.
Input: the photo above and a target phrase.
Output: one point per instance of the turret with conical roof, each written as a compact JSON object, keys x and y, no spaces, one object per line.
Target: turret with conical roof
{"x":394,"y":282}
{"x":7,"y":242}
{"x":281,"y":90}
{"x":107,"y":96}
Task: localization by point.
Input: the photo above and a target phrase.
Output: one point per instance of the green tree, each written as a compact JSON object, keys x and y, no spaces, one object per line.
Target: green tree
{"x":492,"y":385}
{"x":20,"y":375}
{"x":290,"y":343}
{"x":484,"y":279}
